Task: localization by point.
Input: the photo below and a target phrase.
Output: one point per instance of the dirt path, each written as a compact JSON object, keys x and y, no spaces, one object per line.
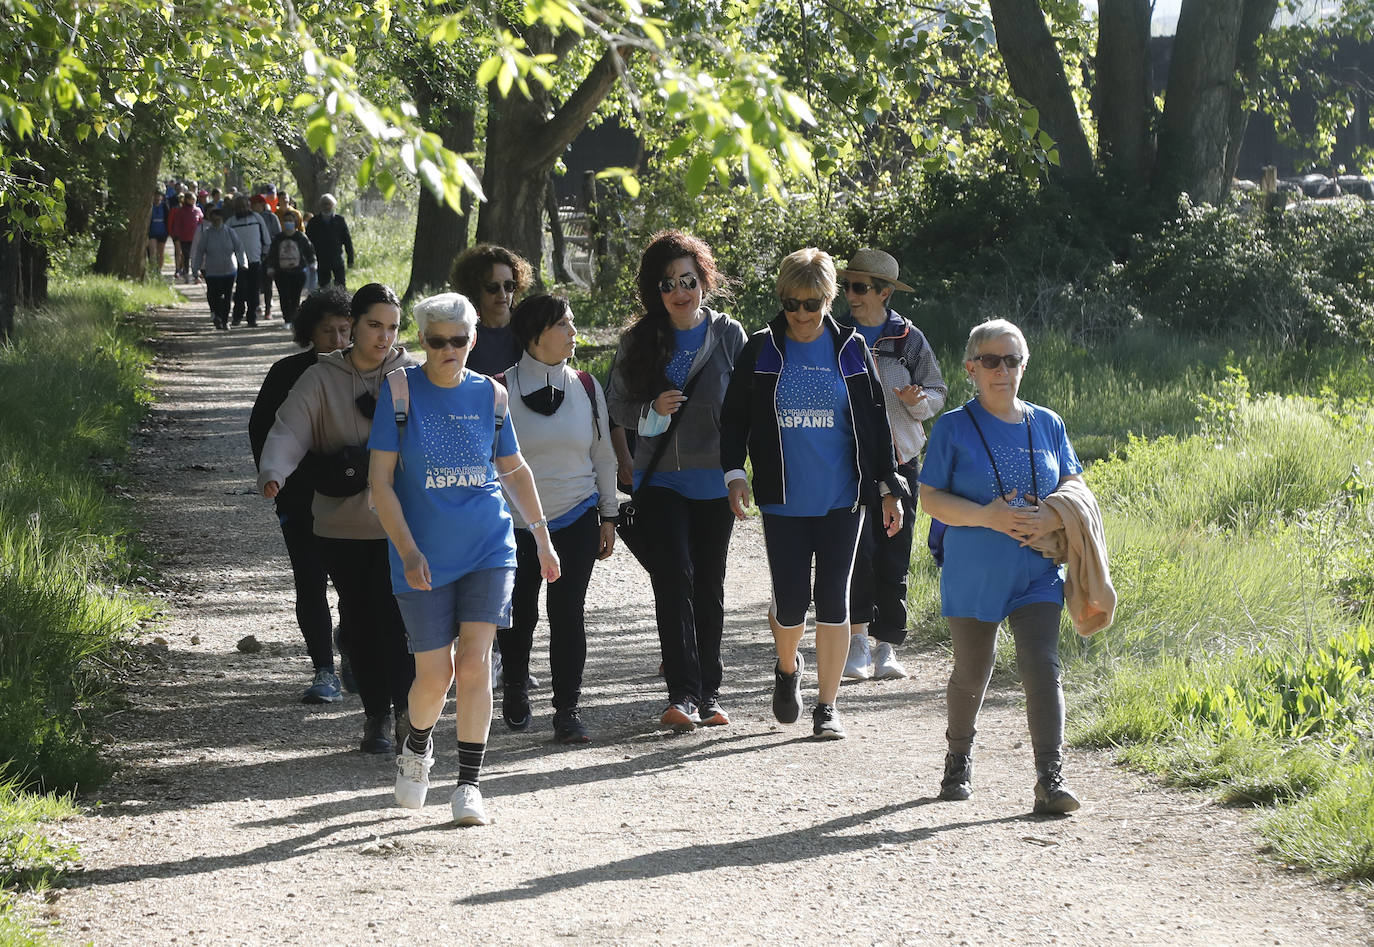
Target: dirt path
{"x":242,"y":816}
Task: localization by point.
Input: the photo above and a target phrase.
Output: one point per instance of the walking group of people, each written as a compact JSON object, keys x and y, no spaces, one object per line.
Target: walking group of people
{"x":447,"y":493}
{"x":245,"y":246}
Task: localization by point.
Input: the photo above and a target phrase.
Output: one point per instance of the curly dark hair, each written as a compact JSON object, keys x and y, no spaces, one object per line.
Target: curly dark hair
{"x":322,"y":303}
{"x":529,"y":319}
{"x":647,"y":345}
{"x":470,"y":270}
{"x":371,"y":295}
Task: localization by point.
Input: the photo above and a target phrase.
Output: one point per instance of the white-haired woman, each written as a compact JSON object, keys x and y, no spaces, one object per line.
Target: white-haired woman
{"x":436,"y":482}
{"x":988,"y":466}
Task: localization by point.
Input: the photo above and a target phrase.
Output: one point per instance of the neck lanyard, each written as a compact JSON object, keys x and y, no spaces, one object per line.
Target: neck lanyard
{"x":1030,"y":445}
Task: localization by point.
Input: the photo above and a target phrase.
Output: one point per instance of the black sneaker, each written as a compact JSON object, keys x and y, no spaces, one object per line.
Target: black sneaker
{"x":515,"y":707}
{"x":787,"y":704}
{"x":375,"y":736}
{"x":1052,"y":797}
{"x":568,"y":726}
{"x":712,"y":713}
{"x":681,"y":716}
{"x":825,"y":723}
{"x":957,"y":784}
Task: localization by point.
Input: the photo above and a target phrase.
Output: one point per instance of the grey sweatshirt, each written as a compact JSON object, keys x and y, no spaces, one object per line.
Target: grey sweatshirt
{"x":217,"y":251}
{"x":570,"y":458}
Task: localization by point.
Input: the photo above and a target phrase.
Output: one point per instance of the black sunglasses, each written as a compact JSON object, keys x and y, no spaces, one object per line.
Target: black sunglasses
{"x":991,"y":361}
{"x":668,"y":285}
{"x":437,"y":342}
{"x":494,"y":288}
{"x":811,"y":305}
{"x":860,"y":289}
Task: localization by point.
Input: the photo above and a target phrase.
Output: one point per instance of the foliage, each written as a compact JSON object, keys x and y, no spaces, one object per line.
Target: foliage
{"x":28,"y":858}
{"x":66,"y":544}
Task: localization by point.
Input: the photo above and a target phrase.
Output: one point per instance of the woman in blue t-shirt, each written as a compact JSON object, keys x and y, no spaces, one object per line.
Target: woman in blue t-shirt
{"x":988,"y":464}
{"x":436,"y":483}
{"x":806,"y":403}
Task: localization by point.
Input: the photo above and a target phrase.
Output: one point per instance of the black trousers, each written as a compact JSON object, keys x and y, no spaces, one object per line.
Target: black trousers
{"x":686,"y":563}
{"x":331,"y":271}
{"x":312,"y":584}
{"x":374,"y":635}
{"x":877,"y":592}
{"x":266,"y":290}
{"x":577,"y":545}
{"x":246,"y":293}
{"x":218,"y":291}
{"x":289,"y":286}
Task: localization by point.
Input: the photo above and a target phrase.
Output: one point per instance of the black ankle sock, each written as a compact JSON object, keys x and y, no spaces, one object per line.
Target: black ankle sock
{"x":470,"y":762}
{"x":418,"y":741}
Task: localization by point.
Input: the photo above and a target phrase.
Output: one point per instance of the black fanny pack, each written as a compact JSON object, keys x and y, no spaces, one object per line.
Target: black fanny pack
{"x":343,"y":474}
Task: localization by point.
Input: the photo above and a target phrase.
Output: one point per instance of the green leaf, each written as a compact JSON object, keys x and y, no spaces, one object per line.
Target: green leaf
{"x":697,"y":173}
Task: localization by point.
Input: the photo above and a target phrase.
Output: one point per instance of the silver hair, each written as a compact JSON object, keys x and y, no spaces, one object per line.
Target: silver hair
{"x":993,"y":329}
{"x":445,"y":307}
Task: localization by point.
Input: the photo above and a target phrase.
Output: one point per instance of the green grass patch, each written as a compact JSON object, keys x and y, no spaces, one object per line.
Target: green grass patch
{"x":32,"y":857}
{"x":72,"y":388}
{"x":383,"y":244}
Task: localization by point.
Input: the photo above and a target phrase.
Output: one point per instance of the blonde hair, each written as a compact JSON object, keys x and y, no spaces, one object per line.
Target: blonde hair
{"x":993,"y":329}
{"x":805,"y":269}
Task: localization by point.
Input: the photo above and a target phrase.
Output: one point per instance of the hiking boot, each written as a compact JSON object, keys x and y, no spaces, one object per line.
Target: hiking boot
{"x":324,"y":689}
{"x":712,"y":713}
{"x":886,"y":667}
{"x":858,"y":666}
{"x":568,"y":727}
{"x":681,"y":716}
{"x":375,"y":736}
{"x":825,"y":723}
{"x":412,"y":776}
{"x":1052,"y":797}
{"x":957,"y":784}
{"x":515,"y":707}
{"x":467,"y":805}
{"x":787,"y":703}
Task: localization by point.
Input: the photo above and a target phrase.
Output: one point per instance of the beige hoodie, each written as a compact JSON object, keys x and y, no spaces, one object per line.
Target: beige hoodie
{"x":321,"y":415}
{"x":1081,"y":544}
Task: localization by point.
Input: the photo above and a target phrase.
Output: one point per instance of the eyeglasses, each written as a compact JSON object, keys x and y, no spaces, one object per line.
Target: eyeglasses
{"x":811,"y":305}
{"x":493,"y":288}
{"x":991,"y":361}
{"x":684,"y":282}
{"x":860,"y":289}
{"x":438,"y":342}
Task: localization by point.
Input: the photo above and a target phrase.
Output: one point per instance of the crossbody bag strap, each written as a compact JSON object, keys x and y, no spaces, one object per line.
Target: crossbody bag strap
{"x":1030,"y":446}
{"x":667,"y":435}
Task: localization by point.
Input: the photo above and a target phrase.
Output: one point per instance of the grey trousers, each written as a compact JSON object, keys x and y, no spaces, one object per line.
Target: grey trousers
{"x":1035,"y":629}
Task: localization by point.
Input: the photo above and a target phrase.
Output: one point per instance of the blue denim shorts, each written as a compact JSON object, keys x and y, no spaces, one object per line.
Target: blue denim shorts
{"x":432,"y":617}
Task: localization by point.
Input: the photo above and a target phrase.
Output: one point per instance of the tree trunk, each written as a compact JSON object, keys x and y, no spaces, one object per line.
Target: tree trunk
{"x":311,"y":169}
{"x":440,"y":231}
{"x":1255,"y":21}
{"x":123,"y":249}
{"x":1037,"y":75}
{"x":1124,"y":104}
{"x":33,"y":272}
{"x":1194,"y":137}
{"x":524,"y":143}
{"x":560,"y":245}
{"x":9,"y":277}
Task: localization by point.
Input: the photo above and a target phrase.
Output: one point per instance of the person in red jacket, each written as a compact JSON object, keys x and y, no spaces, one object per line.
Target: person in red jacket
{"x":182,"y":223}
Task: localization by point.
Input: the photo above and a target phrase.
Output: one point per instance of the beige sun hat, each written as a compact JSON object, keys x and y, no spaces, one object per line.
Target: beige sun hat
{"x":871,"y":263}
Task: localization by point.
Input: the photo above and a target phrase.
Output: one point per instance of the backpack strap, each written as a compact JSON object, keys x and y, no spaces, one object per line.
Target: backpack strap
{"x":501,"y":408}
{"x":400,"y":402}
{"x":590,"y":387}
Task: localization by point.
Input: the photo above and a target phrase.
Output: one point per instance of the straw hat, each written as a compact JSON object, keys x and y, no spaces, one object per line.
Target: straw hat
{"x":874,"y":263}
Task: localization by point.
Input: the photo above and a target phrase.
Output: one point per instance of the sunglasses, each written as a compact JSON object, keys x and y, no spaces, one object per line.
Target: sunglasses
{"x":991,"y":361}
{"x":438,"y":342}
{"x":811,"y":305}
{"x":684,"y":282}
{"x":493,"y":288}
{"x":860,"y":289}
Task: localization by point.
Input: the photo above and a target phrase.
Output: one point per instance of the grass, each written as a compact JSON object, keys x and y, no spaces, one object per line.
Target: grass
{"x":383,"y":245}
{"x":30,"y":860}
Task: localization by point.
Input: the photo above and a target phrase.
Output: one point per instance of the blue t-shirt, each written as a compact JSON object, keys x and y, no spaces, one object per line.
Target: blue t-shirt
{"x":445,"y":479}
{"x":819,"y":470}
{"x":870,"y":333}
{"x":696,"y":483}
{"x":575,"y":514}
{"x":686,"y":344}
{"x":988,"y":575}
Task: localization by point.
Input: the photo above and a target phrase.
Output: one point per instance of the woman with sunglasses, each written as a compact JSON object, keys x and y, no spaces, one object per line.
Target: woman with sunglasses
{"x":987,"y":467}
{"x":806,"y":404}
{"x":492,"y":278}
{"x":678,"y":344}
{"x":329,"y":412}
{"x":914,"y":392}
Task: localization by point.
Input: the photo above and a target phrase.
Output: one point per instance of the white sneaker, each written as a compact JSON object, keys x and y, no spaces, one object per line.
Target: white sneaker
{"x":859,"y":665}
{"x":886,"y":667}
{"x":412,"y":777}
{"x":467,"y":806}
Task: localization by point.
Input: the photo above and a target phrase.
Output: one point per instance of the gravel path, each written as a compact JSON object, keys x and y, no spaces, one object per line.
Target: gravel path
{"x":241,"y":816}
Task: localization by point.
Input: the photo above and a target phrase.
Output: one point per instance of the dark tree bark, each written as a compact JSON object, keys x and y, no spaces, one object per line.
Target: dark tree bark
{"x":1255,"y":20}
{"x":311,"y":169}
{"x":123,"y":248}
{"x":9,"y":277}
{"x":524,"y":140}
{"x":560,"y":245}
{"x":1037,"y":75}
{"x":33,"y":272}
{"x":441,"y":233}
{"x":1123,"y":101}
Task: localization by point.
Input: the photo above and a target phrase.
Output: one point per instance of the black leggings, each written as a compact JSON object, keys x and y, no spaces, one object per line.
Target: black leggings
{"x":312,"y":583}
{"x":791,"y":542}
{"x":577,"y":545}
{"x":375,"y":635}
